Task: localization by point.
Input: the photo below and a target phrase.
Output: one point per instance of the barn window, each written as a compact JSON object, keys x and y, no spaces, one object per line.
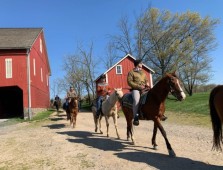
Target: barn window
{"x":34,"y":66}
{"x":41,"y":45}
{"x":8,"y":67}
{"x":41,"y":73}
{"x":118,"y":69}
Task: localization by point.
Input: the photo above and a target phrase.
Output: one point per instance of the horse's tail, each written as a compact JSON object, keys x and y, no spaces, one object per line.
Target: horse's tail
{"x":216,"y":122}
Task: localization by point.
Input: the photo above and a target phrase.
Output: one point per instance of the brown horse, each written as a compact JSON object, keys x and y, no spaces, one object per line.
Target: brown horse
{"x":216,"y":112}
{"x":154,"y":107}
{"x":73,"y":111}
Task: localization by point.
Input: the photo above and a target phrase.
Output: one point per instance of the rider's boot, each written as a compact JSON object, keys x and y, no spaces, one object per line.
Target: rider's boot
{"x":136,"y":120}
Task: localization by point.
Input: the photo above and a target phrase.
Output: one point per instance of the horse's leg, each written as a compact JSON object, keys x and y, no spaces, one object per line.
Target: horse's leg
{"x":170,"y":150}
{"x":95,"y":121}
{"x":129,"y":119}
{"x":75,"y":119}
{"x":57,"y":107}
{"x":130,"y":131}
{"x":107,"y":125}
{"x":115,"y":117}
{"x":71,"y":121}
{"x":99,"y":122}
{"x":154,"y":137}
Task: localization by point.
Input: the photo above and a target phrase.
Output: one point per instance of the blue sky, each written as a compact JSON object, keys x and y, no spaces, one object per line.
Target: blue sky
{"x":68,"y":22}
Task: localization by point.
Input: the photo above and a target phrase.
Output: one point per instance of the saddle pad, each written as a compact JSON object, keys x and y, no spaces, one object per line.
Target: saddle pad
{"x":127,"y":99}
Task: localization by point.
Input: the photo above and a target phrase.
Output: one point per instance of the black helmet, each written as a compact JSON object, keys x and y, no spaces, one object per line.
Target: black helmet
{"x":103,"y":76}
{"x":137,"y":62}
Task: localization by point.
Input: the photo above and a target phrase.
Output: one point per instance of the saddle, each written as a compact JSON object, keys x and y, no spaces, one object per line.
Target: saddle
{"x":127,"y":101}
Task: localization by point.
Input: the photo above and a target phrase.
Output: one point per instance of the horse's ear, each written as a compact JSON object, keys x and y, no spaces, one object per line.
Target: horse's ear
{"x":168,"y":74}
{"x":174,"y":72}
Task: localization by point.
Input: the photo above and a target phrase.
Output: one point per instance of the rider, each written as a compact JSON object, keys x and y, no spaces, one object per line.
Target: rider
{"x":71,"y":93}
{"x":138,"y":81}
{"x":57,"y":102}
{"x":103,"y":90}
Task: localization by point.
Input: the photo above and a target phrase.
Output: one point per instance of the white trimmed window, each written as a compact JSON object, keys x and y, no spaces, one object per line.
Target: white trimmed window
{"x":41,"y":73}
{"x":34,"y":66}
{"x":118,"y":69}
{"x":41,"y":45}
{"x":8,"y":68}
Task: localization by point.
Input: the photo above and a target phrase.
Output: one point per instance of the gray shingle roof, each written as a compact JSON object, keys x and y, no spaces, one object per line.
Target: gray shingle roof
{"x":18,"y":38}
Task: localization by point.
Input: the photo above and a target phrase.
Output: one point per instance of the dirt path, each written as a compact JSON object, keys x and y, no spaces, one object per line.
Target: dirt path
{"x":53,"y":145}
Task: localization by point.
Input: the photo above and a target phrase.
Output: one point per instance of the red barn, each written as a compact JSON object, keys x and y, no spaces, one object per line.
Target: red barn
{"x":24,"y":72}
{"x":116,"y":76}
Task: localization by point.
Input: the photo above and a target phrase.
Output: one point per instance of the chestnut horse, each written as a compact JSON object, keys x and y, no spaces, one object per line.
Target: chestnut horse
{"x":216,"y":113}
{"x":73,"y":111}
{"x":154,"y":107}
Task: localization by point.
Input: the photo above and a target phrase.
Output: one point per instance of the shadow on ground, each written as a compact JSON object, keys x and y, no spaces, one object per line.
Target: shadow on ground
{"x":136,"y":153}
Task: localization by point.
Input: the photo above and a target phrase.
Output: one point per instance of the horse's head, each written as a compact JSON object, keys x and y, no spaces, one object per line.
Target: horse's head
{"x":74,"y":101}
{"x":118,"y":92}
{"x":175,"y":87}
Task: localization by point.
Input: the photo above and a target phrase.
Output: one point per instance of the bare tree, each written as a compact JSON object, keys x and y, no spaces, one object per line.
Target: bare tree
{"x":80,"y":70}
{"x":168,"y":42}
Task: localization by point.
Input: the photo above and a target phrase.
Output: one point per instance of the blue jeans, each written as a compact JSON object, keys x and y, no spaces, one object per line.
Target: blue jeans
{"x":99,"y":101}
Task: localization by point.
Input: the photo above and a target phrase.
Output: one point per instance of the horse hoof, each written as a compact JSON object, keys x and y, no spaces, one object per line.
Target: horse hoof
{"x":155,"y":147}
{"x":96,"y":130}
{"x":172,"y":153}
{"x":101,"y":132}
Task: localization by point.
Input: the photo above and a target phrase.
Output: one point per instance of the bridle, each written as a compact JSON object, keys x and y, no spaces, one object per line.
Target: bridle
{"x":173,"y":90}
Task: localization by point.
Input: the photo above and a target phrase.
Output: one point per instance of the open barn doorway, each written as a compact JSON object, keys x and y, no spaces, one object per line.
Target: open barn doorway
{"x":11,"y":102}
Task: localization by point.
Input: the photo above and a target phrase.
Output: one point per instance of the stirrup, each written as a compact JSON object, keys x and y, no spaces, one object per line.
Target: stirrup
{"x":136,"y":121}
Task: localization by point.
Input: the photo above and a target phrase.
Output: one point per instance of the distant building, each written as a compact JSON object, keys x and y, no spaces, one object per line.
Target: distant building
{"x":24,"y":72}
{"x":116,"y":76}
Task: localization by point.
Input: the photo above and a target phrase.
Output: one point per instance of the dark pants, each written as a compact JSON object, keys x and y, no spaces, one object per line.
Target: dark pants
{"x":99,"y":101}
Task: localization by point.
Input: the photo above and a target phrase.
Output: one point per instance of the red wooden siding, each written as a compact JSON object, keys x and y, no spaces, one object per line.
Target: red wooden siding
{"x":39,"y":89}
{"x":40,"y":93}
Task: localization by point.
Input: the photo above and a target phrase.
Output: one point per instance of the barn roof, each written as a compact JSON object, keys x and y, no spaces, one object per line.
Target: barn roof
{"x":128,"y":55}
{"x":18,"y":38}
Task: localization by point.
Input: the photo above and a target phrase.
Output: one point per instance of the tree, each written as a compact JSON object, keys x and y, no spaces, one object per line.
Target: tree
{"x":168,"y":42}
{"x":80,"y":70}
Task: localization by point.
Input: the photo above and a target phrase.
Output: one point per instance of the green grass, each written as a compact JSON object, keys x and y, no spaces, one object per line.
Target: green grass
{"x":194,"y":110}
{"x":42,"y":115}
{"x":38,"y":117}
{"x":197,"y":103}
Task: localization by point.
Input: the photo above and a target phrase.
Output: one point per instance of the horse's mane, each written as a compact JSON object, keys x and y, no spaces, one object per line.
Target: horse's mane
{"x":167,"y":75}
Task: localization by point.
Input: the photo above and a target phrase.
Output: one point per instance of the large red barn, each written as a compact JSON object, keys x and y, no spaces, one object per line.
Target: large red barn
{"x":116,"y":76}
{"x":24,"y":72}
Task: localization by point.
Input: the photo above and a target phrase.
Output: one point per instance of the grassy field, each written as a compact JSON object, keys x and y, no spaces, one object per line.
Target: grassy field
{"x":194,"y":110}
{"x":38,"y":117}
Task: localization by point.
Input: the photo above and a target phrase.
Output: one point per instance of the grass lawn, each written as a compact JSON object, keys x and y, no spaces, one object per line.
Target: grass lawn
{"x":194,"y":110}
{"x":38,"y":117}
